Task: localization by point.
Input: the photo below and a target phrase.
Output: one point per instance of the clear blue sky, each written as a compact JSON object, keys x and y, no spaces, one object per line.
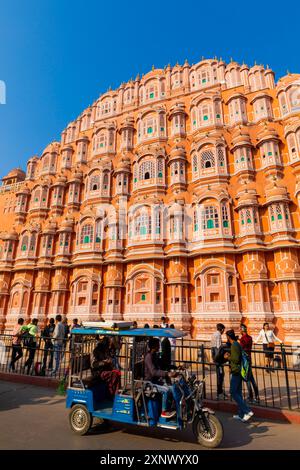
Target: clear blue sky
{"x":57,"y":56}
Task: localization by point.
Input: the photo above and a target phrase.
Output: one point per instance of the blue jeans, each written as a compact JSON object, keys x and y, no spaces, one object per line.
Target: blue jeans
{"x":165,"y":391}
{"x":236,"y":393}
{"x":57,"y":348}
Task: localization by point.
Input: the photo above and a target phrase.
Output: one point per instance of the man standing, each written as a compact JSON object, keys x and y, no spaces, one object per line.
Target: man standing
{"x":17,"y":352}
{"x":235,"y":358}
{"x":32,"y":331}
{"x":216,"y":344}
{"x":246,"y":343}
{"x":58,"y":341}
{"x":47,"y":334}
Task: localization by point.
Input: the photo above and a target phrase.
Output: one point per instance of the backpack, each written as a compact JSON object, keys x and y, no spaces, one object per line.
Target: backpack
{"x":27,"y":339}
{"x":245,"y":365}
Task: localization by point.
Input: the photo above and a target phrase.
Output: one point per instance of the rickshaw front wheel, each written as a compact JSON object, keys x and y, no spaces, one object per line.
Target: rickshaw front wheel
{"x":80,"y":419}
{"x":208,"y":430}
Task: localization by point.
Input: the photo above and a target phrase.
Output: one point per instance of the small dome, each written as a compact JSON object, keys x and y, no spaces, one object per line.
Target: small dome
{"x":275,"y":193}
{"x":52,"y":148}
{"x":240,"y":137}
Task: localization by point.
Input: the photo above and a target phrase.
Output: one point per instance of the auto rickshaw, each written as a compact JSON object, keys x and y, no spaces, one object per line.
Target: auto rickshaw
{"x":137,"y":401}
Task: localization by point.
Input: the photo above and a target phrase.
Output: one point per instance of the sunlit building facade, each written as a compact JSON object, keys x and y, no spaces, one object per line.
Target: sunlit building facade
{"x":176,"y":194}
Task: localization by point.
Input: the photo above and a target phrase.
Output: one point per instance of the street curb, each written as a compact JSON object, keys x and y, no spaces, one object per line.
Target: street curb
{"x":286,"y":416}
{"x":30,"y":380}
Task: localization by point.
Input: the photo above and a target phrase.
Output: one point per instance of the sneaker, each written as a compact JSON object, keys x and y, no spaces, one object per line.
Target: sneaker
{"x":237,"y":417}
{"x":247,"y":416}
{"x":168,"y":414}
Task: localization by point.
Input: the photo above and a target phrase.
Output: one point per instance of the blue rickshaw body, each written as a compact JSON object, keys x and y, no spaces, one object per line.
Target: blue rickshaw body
{"x":122,"y":408}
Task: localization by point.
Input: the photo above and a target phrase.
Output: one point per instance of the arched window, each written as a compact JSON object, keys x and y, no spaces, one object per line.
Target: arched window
{"x":94,"y":182}
{"x":32,"y":242}
{"x":221,"y":157}
{"x":195,"y":163}
{"x":105,"y":180}
{"x":37,"y":196}
{"x":207,"y":159}
{"x":225,"y":218}
{"x":205,"y":114}
{"x":292,"y":146}
{"x":86,"y":235}
{"x":24,"y":244}
{"x":210,"y":217}
{"x":160,"y":168}
{"x":294,"y":98}
{"x":283,"y":104}
{"x":196,"y":223}
{"x":147,"y":170}
{"x":278,"y":212}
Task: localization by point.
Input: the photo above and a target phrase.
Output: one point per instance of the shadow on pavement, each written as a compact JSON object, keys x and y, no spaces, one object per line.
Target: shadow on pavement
{"x":236,"y":434}
{"x":13,"y":395}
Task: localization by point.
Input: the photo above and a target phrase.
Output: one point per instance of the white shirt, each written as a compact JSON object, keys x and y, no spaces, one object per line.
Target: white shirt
{"x":266,"y":337}
{"x":216,"y":340}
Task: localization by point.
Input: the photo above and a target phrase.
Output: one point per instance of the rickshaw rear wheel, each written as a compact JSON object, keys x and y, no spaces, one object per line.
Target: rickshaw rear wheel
{"x":80,"y":419}
{"x":210,"y":433}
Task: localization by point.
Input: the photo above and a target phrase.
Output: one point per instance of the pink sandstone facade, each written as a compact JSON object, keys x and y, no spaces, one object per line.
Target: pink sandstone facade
{"x":178,"y":194}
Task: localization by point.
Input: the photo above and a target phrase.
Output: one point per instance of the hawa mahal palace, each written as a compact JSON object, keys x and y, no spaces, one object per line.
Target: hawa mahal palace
{"x":176,"y":194}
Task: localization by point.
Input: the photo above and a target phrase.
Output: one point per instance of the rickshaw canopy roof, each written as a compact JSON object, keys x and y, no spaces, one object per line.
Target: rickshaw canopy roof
{"x":148,"y":332}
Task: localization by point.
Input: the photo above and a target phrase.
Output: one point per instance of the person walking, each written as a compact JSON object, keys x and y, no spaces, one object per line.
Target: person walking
{"x":246,"y":343}
{"x":32,"y":332}
{"x":47,"y":334}
{"x":216,"y":345}
{"x":268,"y":338}
{"x":235,"y":359}
{"x":17,"y":351}
{"x":58,"y":341}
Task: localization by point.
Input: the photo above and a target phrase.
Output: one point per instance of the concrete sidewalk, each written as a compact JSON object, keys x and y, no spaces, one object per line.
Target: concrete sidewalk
{"x":35,"y":418}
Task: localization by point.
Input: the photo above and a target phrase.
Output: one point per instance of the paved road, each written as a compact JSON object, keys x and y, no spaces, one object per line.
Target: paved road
{"x":35,"y":418}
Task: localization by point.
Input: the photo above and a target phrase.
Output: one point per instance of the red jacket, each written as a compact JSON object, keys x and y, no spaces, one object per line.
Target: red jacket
{"x":246,"y":343}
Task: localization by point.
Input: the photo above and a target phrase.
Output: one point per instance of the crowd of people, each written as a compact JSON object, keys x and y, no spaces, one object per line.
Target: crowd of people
{"x":153,"y":358}
{"x":232,"y":352}
{"x":28,"y":337}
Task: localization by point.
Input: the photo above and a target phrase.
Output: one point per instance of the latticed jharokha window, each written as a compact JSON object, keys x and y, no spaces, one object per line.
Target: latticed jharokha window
{"x":207,"y":159}
{"x":195,"y":163}
{"x":143,"y":224}
{"x":210,"y":217}
{"x":147,"y":170}
{"x":221,"y":157}
{"x":225,"y":218}
{"x":86,"y":235}
{"x":95,"y":182}
{"x":24,"y":243}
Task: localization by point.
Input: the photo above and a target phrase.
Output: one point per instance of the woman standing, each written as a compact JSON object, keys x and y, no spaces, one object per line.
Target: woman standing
{"x":268,"y":338}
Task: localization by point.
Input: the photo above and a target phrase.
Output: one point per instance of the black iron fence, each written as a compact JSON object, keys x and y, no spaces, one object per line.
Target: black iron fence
{"x":278,"y":385}
{"x":39,"y":358}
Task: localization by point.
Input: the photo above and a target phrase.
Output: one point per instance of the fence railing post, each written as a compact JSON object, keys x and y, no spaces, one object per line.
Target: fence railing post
{"x":283,"y":354}
{"x":203,"y":369}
